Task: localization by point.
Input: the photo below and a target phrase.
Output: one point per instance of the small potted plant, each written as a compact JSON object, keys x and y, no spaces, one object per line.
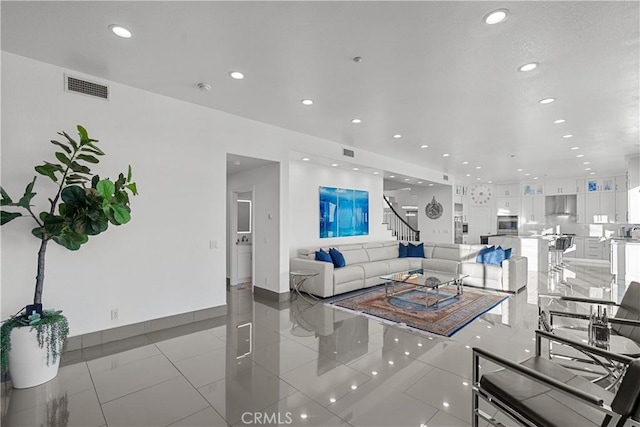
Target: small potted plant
{"x":84,"y":205}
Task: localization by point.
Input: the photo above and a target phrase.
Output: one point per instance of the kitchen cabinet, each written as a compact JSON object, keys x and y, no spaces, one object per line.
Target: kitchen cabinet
{"x":595,"y":249}
{"x":599,"y":185}
{"x":532,"y":210}
{"x":621,"y":183}
{"x":507,"y":190}
{"x":622,"y":206}
{"x":562,"y":186}
{"x":508,"y":205}
{"x":581,"y":204}
{"x":600,"y":207}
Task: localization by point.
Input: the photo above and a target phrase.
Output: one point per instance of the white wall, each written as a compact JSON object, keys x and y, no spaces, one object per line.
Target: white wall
{"x":160,"y":264}
{"x":304,"y":216}
{"x":435,"y":230}
{"x":265,"y":181}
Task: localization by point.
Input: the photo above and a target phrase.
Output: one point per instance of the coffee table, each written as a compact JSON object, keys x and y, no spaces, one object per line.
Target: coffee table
{"x":427,"y":280}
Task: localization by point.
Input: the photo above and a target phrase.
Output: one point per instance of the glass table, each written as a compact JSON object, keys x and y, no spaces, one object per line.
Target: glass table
{"x":428,"y":280}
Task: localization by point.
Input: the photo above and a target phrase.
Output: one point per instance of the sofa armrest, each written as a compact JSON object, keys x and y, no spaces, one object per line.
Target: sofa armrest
{"x":514,"y":273}
{"x":320,"y":285}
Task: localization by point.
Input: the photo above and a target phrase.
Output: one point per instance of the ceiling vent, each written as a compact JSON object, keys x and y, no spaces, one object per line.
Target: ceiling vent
{"x":85,"y":87}
{"x":445,"y":177}
{"x":348,"y":153}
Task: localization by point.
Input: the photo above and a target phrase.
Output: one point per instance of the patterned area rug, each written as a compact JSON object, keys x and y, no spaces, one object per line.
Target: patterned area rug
{"x":445,"y":319}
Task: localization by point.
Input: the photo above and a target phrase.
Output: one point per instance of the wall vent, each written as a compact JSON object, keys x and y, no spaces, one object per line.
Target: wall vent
{"x":445,"y":177}
{"x":348,"y":153}
{"x":85,"y":87}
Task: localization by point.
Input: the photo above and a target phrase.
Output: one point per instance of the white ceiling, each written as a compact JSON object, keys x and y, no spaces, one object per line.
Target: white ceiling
{"x":431,"y":71}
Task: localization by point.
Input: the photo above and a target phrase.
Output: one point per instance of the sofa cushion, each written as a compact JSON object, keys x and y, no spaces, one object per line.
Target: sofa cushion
{"x":416,"y":251}
{"x":397,"y":265}
{"x":321,"y":255}
{"x":403,"y":250}
{"x":356,"y":256}
{"x":445,"y":265}
{"x":448,"y":251}
{"x":375,"y":269}
{"x":377,"y":254}
{"x":337,"y":258}
{"x":495,"y":257}
{"x":484,"y":254}
{"x":349,"y":273}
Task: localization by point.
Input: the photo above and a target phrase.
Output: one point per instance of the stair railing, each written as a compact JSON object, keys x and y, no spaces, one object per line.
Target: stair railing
{"x":400,"y":228}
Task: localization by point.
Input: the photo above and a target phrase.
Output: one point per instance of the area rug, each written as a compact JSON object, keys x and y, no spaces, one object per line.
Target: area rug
{"x":445,"y":319}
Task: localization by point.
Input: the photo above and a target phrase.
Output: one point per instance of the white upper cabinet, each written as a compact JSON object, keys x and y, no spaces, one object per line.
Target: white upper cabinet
{"x":561,"y":186}
{"x":600,"y":207}
{"x":508,"y":205}
{"x":507,"y":190}
{"x":533,"y":209}
{"x":621,"y":183}
{"x":622,"y":206}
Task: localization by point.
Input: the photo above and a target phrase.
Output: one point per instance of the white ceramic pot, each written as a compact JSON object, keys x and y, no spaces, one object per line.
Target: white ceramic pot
{"x":27,"y":361}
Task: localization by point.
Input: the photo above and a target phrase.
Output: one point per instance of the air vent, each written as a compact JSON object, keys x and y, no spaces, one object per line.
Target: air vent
{"x":348,"y":153}
{"x":85,"y":87}
{"x":445,"y":177}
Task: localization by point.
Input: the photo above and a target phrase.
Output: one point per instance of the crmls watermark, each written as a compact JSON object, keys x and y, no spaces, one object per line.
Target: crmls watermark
{"x":266,"y":418}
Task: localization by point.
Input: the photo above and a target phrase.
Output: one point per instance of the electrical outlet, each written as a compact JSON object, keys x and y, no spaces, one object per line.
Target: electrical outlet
{"x":213,"y":244}
{"x":115,"y":314}
{"x":266,"y":280}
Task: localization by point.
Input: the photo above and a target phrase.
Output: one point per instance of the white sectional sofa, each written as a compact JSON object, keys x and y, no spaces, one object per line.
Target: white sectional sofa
{"x":366,"y":262}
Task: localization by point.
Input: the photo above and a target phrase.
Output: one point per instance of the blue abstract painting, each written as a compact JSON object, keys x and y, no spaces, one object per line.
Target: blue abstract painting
{"x":343,"y":212}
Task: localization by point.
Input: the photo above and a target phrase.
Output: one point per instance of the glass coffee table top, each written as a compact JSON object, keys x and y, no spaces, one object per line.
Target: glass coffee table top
{"x":428,"y":280}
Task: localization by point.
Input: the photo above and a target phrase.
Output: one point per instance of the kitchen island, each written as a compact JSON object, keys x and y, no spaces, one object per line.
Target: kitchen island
{"x":534,"y":248}
{"x":625,"y":260}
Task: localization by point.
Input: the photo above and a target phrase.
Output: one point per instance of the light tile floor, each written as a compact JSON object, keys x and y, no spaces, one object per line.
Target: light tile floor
{"x":288,"y":364}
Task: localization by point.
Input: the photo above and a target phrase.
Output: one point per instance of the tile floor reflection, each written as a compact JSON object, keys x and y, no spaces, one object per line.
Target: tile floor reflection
{"x":288,"y":364}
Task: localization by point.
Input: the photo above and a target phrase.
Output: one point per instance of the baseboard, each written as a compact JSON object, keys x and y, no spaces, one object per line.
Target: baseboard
{"x":128,"y":331}
{"x":270,"y":295}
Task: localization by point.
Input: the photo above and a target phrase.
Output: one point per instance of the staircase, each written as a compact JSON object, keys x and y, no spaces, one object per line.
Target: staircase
{"x":399,"y":228}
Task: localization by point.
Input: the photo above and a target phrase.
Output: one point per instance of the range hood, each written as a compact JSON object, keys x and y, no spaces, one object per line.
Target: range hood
{"x":561,"y":205}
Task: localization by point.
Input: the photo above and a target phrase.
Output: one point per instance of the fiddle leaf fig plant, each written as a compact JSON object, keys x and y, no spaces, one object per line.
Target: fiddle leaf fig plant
{"x":83,"y":205}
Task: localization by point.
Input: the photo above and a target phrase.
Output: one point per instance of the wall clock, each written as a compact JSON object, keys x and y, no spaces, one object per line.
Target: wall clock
{"x":480,"y":194}
{"x":433,"y":209}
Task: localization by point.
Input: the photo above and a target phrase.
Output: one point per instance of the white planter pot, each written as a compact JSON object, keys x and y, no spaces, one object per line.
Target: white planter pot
{"x":27,"y":361}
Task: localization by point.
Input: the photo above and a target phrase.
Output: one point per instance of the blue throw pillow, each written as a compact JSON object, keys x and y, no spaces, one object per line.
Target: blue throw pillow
{"x":507,"y":253}
{"x":337,"y":258}
{"x":416,"y":251}
{"x":322,"y":255}
{"x":495,"y":257}
{"x":403,"y":250}
{"x":482,"y":255}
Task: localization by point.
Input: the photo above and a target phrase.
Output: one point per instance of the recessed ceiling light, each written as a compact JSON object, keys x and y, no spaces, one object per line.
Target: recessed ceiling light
{"x":407,"y":179}
{"x":575,"y":148}
{"x":237,"y":75}
{"x":376,"y":173}
{"x":353,"y":387}
{"x":334,"y":164}
{"x":468,"y":174}
{"x":356,"y":121}
{"x":592,"y":173}
{"x":546,"y":100}
{"x":332,"y":400}
{"x":580,"y":155}
{"x":478,"y":167}
{"x":567,"y":136}
{"x":465,"y":163}
{"x":431,"y":184}
{"x":535,"y":177}
{"x":392,"y":176}
{"x":587,"y":169}
{"x":445,"y":404}
{"x":424,"y":146}
{"x":356,"y":169}
{"x":527,"y":174}
{"x":477,"y":179}
{"x":397,"y":136}
{"x":204,"y":86}
{"x":120,"y":31}
{"x":490,"y":182}
{"x":419,"y":182}
{"x":519,"y":170}
{"x":307,"y":102}
{"x":305,"y":159}
{"x":496,"y":16}
{"x":586,"y":163}
{"x":303,"y":416}
{"x":528,"y":67}
{"x":559,"y":121}
{"x":445,"y":155}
